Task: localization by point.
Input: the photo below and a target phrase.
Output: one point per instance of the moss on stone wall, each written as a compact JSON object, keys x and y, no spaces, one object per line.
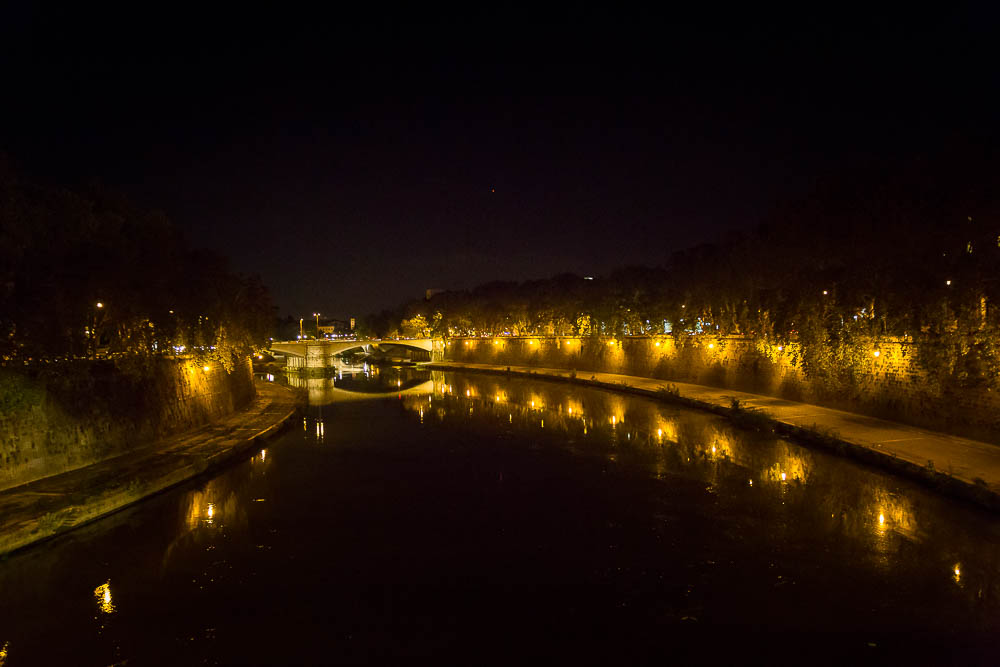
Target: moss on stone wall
{"x":58,"y":417}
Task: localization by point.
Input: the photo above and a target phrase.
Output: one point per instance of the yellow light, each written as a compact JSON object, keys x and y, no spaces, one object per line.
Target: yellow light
{"x":780,"y":348}
{"x":711,"y":346}
{"x":659,"y":433}
{"x":881,"y":519}
{"x":211,"y":510}
{"x":206,"y":368}
{"x":101,"y":305}
{"x":102,"y":594}
{"x":876,"y":353}
{"x":751,"y":482}
{"x":783,"y":476}
{"x":611,"y":342}
{"x":656,"y":344}
{"x":825,"y":292}
{"x":948,"y":283}
{"x":468,"y":393}
{"x":496,"y":342}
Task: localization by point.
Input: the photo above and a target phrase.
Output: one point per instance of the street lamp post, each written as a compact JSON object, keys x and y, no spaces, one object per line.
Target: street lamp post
{"x":99,"y":306}
{"x":301,"y":332}
{"x":316,"y":315}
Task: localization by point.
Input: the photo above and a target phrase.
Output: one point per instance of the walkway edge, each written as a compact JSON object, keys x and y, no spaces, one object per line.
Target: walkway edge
{"x":109,"y":499}
{"x":969,"y":490}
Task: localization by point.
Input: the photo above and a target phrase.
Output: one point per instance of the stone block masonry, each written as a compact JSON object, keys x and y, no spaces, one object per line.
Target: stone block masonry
{"x":883,"y":379}
{"x":64,"y":417}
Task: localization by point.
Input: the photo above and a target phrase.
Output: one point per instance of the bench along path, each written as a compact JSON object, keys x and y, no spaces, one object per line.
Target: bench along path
{"x":959,"y":466}
{"x":46,"y":507}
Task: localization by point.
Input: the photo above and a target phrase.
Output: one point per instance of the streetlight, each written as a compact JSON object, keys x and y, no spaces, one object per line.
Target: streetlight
{"x":316,"y":315}
{"x":301,"y":333}
{"x":94,"y":341}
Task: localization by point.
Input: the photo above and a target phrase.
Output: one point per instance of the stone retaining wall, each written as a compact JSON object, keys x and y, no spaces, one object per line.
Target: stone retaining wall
{"x":884,"y":381}
{"x":59,"y":418}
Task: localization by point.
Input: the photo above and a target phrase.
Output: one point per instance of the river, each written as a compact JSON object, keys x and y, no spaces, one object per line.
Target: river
{"x":482,"y":519}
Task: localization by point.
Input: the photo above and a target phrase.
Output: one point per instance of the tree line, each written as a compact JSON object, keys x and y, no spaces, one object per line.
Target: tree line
{"x":906,"y":250}
{"x":86,"y":273}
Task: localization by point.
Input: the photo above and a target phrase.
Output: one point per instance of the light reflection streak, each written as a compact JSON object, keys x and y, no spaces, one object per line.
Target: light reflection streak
{"x":102,"y":595}
{"x":761,"y":465}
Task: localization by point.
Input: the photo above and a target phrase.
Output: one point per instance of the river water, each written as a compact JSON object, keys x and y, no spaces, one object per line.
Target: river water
{"x":482,"y":519}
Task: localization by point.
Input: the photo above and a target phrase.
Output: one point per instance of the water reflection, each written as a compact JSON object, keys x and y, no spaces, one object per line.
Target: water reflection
{"x":839,"y":497}
{"x":273,"y":523}
{"x":102,"y":594}
{"x":347,"y":383}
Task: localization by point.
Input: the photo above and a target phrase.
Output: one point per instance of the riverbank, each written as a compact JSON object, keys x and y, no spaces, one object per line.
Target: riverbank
{"x":57,"y":504}
{"x":967,"y":469}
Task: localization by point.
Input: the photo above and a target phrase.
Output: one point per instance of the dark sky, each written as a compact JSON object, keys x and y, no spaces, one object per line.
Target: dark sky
{"x":353,"y":166}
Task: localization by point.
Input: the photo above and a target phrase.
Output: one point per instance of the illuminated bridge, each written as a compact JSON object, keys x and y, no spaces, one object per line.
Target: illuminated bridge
{"x":320,"y":353}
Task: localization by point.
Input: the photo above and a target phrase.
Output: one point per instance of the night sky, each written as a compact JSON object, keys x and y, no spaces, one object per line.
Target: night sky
{"x":353,"y":166}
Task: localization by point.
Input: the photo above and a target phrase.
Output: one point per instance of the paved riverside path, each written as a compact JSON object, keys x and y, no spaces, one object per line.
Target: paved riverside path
{"x":957,"y":462}
{"x":53,"y":505}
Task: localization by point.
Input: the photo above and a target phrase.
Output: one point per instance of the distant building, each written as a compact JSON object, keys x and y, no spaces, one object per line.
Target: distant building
{"x":337,"y":328}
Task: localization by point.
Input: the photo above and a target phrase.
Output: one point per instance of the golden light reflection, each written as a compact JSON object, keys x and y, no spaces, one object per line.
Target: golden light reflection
{"x":3,"y":653}
{"x":891,"y":512}
{"x":102,"y":594}
{"x":956,"y":573}
{"x":666,"y":429}
{"x":210,"y":513}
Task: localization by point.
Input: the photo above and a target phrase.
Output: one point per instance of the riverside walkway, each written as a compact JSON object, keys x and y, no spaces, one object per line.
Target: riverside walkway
{"x":959,"y":466}
{"x":54,"y":505}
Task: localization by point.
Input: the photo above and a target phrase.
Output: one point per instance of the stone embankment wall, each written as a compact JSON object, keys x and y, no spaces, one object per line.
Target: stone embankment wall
{"x":884,"y":381}
{"x":62,"y":417}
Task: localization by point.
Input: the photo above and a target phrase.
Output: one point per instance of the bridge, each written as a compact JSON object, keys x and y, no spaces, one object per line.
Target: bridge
{"x":320,"y":353}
